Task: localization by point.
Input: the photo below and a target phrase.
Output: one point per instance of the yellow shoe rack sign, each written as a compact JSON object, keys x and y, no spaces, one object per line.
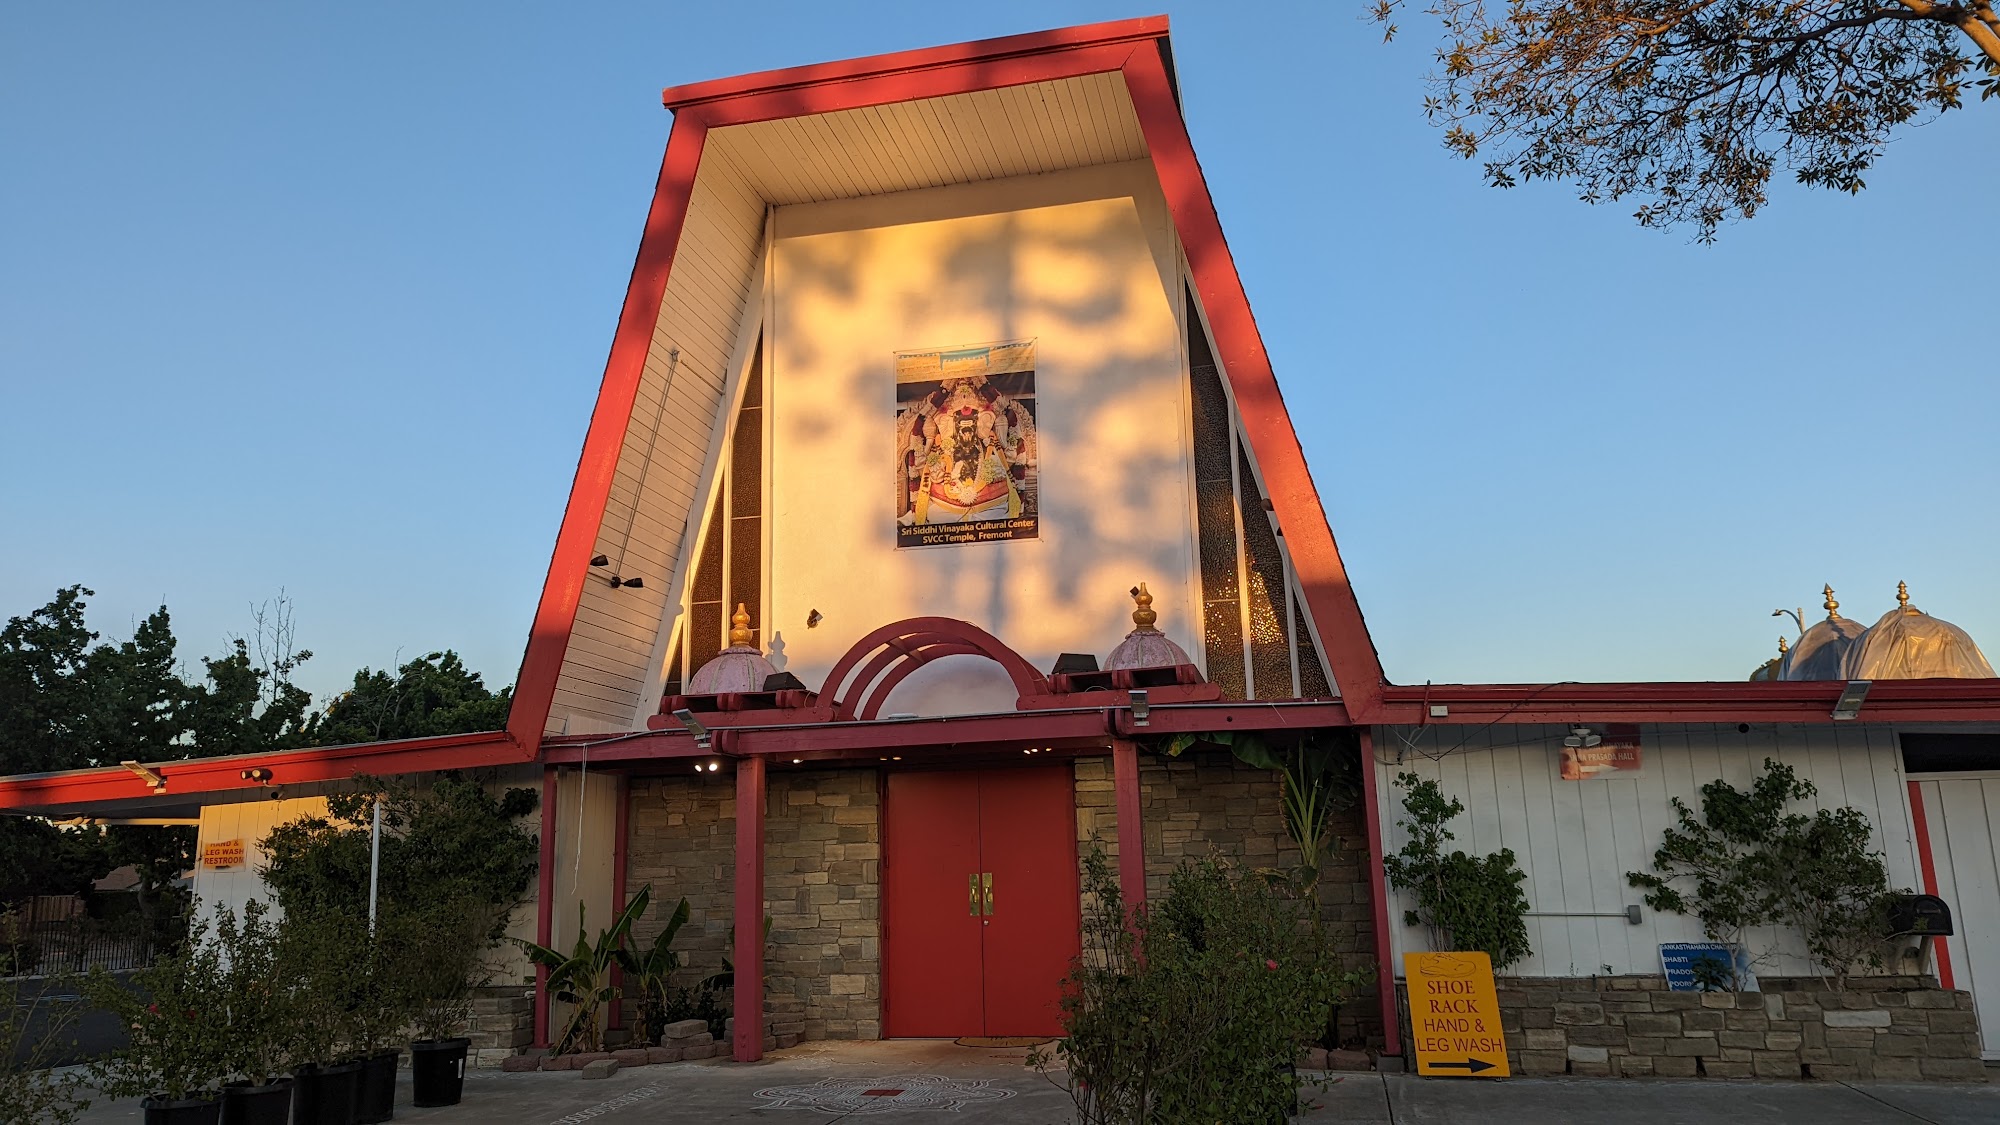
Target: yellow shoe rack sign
{"x":1455,"y":1016}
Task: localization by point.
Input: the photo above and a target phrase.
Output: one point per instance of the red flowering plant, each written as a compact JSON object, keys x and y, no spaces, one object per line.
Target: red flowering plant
{"x":176,"y":1021}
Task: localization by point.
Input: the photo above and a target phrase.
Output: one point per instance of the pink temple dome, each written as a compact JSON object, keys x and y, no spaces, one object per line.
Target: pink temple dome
{"x":1145,"y":646}
{"x":737,"y":669}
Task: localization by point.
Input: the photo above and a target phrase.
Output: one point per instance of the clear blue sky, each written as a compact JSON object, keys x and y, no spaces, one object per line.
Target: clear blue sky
{"x":317,"y":298}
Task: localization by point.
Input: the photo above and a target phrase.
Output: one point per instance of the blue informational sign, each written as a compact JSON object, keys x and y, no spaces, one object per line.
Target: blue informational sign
{"x":1703,"y":966}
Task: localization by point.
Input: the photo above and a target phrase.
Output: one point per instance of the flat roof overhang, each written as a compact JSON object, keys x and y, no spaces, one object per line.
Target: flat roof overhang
{"x":741,"y":734}
{"x":1888,"y":701}
{"x":117,"y":791}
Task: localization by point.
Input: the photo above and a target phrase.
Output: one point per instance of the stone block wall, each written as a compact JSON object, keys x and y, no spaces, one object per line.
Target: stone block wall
{"x":822,"y":889}
{"x":1900,"y":1028}
{"x":1203,"y":803}
{"x":823,"y":892}
{"x":503,"y":1022}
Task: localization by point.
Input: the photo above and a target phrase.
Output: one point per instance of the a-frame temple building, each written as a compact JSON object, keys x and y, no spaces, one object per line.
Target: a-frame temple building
{"x":939,"y":469}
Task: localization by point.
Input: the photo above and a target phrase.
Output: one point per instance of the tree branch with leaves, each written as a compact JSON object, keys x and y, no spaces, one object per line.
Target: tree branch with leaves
{"x":1690,"y":106}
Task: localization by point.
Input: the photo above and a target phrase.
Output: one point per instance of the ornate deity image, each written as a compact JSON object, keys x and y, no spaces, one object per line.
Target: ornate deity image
{"x":966,"y":470}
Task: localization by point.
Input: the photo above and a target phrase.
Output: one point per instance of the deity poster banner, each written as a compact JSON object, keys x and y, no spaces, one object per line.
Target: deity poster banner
{"x":965,"y":445}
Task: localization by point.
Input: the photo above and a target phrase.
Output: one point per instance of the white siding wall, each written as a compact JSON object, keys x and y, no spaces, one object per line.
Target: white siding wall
{"x":250,"y":822}
{"x":608,"y":665}
{"x":1577,"y":839}
{"x":1084,"y":261}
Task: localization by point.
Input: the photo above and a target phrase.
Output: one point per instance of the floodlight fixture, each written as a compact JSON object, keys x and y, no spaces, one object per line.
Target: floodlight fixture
{"x":702,"y":741}
{"x":148,"y":775}
{"x":1582,"y":738}
{"x":1140,"y":708}
{"x":1848,"y":706}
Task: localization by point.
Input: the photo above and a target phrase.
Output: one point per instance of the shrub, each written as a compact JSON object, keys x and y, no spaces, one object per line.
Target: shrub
{"x":443,"y":963}
{"x":255,"y":995}
{"x":1746,"y":862}
{"x":29,"y":1091}
{"x":1195,"y":1008}
{"x":177,"y":1023}
{"x":1465,"y":902}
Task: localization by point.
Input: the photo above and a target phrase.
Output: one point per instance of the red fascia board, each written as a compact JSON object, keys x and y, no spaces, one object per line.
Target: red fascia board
{"x":1690,"y":702}
{"x":597,"y":465}
{"x":909,"y":62}
{"x":1322,"y":576}
{"x":972,"y":733}
{"x":289,"y":767}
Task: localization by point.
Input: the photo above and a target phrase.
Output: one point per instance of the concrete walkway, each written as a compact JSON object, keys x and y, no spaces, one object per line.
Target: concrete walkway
{"x":820,"y":1083}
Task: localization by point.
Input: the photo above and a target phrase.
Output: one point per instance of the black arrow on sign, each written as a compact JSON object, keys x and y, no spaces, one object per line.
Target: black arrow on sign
{"x":1470,"y":1066}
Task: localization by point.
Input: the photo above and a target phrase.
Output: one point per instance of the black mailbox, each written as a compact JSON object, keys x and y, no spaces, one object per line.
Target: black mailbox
{"x":1919,"y":916}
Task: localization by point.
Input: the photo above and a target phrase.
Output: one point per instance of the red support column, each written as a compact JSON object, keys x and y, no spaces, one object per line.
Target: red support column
{"x":621,"y":825}
{"x":1131,"y":829}
{"x":545,"y":902}
{"x":1378,"y":889}
{"x":749,"y":1038}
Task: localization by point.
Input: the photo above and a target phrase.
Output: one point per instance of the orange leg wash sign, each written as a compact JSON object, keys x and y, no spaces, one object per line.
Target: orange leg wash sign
{"x":1455,"y":1015}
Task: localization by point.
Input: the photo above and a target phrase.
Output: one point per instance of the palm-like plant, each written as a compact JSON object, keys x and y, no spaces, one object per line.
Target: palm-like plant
{"x":647,"y":973}
{"x":581,"y":978}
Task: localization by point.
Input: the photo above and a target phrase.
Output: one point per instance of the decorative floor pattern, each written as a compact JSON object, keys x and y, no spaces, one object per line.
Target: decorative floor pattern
{"x":888,"y":1093}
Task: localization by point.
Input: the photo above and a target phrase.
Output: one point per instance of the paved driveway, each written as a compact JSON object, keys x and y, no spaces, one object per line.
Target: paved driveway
{"x":819,"y":1083}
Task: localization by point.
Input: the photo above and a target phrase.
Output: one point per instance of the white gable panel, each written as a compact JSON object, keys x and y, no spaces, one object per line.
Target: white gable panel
{"x":607,"y":666}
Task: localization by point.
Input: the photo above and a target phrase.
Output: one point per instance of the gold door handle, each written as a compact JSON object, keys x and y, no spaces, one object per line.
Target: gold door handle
{"x":972,"y":895}
{"x":986,"y":878}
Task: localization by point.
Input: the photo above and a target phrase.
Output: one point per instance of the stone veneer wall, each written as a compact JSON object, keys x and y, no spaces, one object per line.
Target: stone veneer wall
{"x":503,"y":1022}
{"x":1209,"y":802}
{"x":822,"y":890}
{"x":1885,"y":1027}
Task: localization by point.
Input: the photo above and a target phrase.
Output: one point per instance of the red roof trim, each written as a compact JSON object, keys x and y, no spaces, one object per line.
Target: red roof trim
{"x":288,"y":767}
{"x":1274,"y":442}
{"x":908,"y":62}
{"x":1690,"y":702}
{"x":569,"y":563}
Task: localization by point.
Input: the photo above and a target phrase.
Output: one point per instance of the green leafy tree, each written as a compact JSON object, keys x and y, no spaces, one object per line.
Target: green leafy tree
{"x":1691,"y":105}
{"x":432,"y":695}
{"x":1464,"y":902}
{"x":1747,"y":861}
{"x":449,"y":839}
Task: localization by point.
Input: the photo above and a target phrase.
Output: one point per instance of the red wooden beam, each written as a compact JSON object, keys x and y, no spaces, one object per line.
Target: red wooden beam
{"x":545,"y":902}
{"x":748,"y":1041}
{"x":569,"y":564}
{"x":1690,"y":702}
{"x":289,"y":767}
{"x":1274,"y":443}
{"x":1929,"y":868}
{"x":1378,"y":894}
{"x":808,"y":82}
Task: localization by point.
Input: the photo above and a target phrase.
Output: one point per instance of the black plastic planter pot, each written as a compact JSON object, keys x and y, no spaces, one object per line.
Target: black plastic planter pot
{"x":377,"y":1099}
{"x":437,"y":1071}
{"x":325,"y":1095}
{"x":269,"y":1104}
{"x":187,"y":1111}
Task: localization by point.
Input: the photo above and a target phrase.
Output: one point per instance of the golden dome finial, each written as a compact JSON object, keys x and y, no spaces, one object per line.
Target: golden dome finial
{"x":1783,"y":647}
{"x":1832,"y":605}
{"x":739,"y":636}
{"x":1903,"y":596}
{"x":1143,"y":615}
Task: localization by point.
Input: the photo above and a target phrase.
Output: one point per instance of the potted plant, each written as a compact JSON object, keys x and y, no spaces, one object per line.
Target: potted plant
{"x":317,"y":957}
{"x":582,"y":977}
{"x":443,"y":958}
{"x":375,"y":1019}
{"x":256,"y":1003}
{"x":178,"y":1033}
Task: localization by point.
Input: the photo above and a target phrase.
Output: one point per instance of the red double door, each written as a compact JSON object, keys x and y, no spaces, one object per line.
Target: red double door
{"x":980,"y":902}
